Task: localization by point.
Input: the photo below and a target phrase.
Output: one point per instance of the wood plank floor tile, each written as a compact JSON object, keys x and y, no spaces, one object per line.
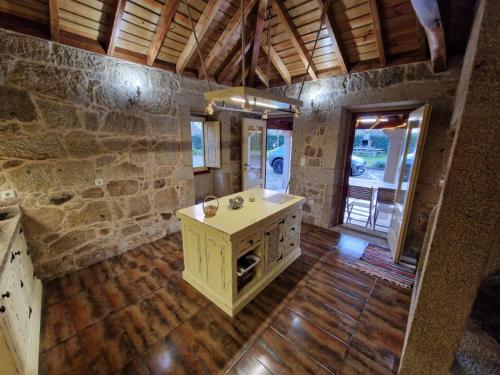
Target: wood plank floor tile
{"x":354,"y":288}
{"x":88,"y":307}
{"x":248,"y":365}
{"x":56,"y":325}
{"x":280,"y":356}
{"x":135,"y":367}
{"x":323,"y":347}
{"x":379,"y":339}
{"x":65,"y":358}
{"x":356,"y":363}
{"x":106,"y":345}
{"x":121,"y":291}
{"x":333,"y":321}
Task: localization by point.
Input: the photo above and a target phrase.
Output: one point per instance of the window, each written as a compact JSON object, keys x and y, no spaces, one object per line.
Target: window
{"x":198,"y":143}
{"x":205,"y":144}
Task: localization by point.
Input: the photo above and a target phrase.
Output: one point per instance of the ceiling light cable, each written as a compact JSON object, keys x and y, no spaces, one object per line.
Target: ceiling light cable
{"x":322,"y":20}
{"x":198,"y":46}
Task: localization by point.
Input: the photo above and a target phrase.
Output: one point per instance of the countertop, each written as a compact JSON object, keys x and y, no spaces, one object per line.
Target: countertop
{"x":232,"y":221}
{"x":8,"y":229}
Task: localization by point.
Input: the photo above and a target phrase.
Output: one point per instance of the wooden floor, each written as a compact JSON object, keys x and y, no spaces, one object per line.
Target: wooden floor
{"x":134,"y":314}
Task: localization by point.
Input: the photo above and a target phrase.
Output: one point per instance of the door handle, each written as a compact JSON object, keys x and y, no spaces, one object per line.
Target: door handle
{"x":246,"y":165}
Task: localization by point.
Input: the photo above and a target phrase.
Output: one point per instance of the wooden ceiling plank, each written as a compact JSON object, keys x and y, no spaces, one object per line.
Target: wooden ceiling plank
{"x":54,"y":20}
{"x":224,"y":39}
{"x":378,"y":31}
{"x":115,"y":28}
{"x":166,"y":17}
{"x":278,"y":63}
{"x":257,"y":40}
{"x":334,"y":36}
{"x":200,"y":29}
{"x":286,"y":21}
{"x":428,"y":14}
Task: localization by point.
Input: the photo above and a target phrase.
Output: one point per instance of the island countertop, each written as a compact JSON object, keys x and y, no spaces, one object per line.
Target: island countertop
{"x":232,"y":221}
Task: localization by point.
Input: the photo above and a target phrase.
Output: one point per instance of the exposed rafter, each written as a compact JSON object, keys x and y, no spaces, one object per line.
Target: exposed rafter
{"x":330,"y":26}
{"x":54,"y":20}
{"x":428,"y":14}
{"x":287,"y":23}
{"x":258,"y":32}
{"x":233,"y":28}
{"x":378,"y":31}
{"x":278,"y":63}
{"x":233,"y":63}
{"x":166,"y":17}
{"x":203,"y":24}
{"x":262,"y":76}
{"x":115,"y":28}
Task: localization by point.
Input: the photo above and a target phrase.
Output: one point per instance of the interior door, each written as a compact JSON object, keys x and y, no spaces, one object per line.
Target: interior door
{"x":407,"y":173}
{"x":253,"y":156}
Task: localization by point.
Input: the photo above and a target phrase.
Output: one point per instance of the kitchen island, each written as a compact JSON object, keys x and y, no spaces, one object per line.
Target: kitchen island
{"x":232,"y":256}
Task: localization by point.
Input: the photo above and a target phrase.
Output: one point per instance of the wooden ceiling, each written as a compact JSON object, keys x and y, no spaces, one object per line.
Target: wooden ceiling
{"x":356,"y":35}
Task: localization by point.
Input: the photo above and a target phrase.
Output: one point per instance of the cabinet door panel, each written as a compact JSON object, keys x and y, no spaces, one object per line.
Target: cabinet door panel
{"x":215,"y":264}
{"x":196,"y":257}
{"x":16,"y":312}
{"x":273,"y":244}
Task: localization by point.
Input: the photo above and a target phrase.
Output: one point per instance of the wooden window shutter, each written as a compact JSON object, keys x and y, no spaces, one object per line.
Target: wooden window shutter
{"x":212,"y":144}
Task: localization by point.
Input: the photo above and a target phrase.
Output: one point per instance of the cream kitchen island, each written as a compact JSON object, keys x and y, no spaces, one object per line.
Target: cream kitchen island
{"x":232,"y":256}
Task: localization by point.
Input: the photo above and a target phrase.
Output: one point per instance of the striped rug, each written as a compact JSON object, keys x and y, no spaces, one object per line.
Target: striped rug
{"x":377,"y":261}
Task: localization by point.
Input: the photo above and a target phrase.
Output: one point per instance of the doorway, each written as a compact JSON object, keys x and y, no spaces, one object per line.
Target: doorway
{"x":384,"y":153}
{"x":279,"y":153}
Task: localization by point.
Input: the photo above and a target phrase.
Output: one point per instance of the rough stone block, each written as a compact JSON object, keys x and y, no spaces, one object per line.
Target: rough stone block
{"x":38,"y":147}
{"x":122,"y":123}
{"x":16,"y":105}
{"x":93,"y":212}
{"x":58,"y":115}
{"x":70,"y":241}
{"x":81,"y":144}
{"x":122,"y":187}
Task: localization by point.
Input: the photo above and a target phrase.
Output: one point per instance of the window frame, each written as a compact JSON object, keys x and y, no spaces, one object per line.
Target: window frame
{"x":204,"y":168}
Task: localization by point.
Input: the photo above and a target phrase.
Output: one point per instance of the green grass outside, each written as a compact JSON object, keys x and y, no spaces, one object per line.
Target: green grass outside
{"x":374,"y":161}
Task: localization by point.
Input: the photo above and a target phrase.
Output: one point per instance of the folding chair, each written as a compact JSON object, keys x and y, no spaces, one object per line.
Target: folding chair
{"x":359,"y":198}
{"x":384,"y":203}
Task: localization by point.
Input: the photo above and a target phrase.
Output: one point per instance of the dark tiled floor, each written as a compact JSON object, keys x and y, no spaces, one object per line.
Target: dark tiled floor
{"x":133,"y":314}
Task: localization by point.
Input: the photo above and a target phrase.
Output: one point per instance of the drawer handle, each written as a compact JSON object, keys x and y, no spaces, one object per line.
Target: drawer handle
{"x":293,"y":229}
{"x":29,"y":316}
{"x":6,"y":295}
{"x":14,"y":255}
{"x":293,"y":217}
{"x":250,"y":242}
{"x":2,"y":309}
{"x":22,"y":284}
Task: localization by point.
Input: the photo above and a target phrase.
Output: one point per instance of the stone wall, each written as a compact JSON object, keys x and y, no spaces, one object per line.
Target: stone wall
{"x":69,"y":118}
{"x":316,"y":134}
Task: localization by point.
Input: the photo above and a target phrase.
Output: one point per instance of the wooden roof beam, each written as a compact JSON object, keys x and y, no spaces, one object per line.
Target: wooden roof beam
{"x":258,"y":32}
{"x":115,"y":27}
{"x":278,"y":63}
{"x":233,"y":63}
{"x":202,"y":26}
{"x":428,"y":14}
{"x":262,"y":76}
{"x":166,"y":17}
{"x":54,"y":20}
{"x":378,"y":32}
{"x":295,"y":38}
{"x":232,"y":28}
{"x":332,"y":31}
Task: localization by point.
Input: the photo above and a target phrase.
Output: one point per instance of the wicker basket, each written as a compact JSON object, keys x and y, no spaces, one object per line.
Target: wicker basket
{"x":210,"y":210}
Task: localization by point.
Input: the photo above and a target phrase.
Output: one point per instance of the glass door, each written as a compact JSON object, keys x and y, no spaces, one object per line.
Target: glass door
{"x":407,"y":172}
{"x":253,"y":153}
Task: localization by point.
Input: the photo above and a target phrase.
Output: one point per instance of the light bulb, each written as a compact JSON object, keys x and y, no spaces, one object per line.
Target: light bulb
{"x":209,"y":109}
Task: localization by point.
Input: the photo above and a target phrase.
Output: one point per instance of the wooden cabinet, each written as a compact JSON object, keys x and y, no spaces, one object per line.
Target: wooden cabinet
{"x":267,"y":232}
{"x":20,"y":306}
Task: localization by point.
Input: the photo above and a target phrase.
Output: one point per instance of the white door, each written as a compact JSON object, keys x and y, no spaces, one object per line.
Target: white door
{"x":406,"y":176}
{"x":253,"y":158}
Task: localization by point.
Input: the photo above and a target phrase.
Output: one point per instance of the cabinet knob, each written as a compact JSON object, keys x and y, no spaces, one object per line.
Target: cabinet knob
{"x":22,"y":284}
{"x":268,"y":233}
{"x":30,"y":311}
{"x":6,"y":295}
{"x":250,"y":242}
{"x":292,"y":245}
{"x":293,"y":217}
{"x":2,"y":309}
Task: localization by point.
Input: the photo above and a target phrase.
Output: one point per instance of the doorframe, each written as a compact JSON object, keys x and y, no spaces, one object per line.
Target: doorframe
{"x":345,"y":147}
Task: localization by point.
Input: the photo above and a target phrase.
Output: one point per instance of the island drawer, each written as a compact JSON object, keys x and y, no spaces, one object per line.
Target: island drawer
{"x":249,"y":241}
{"x":291,"y":243}
{"x":291,"y":228}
